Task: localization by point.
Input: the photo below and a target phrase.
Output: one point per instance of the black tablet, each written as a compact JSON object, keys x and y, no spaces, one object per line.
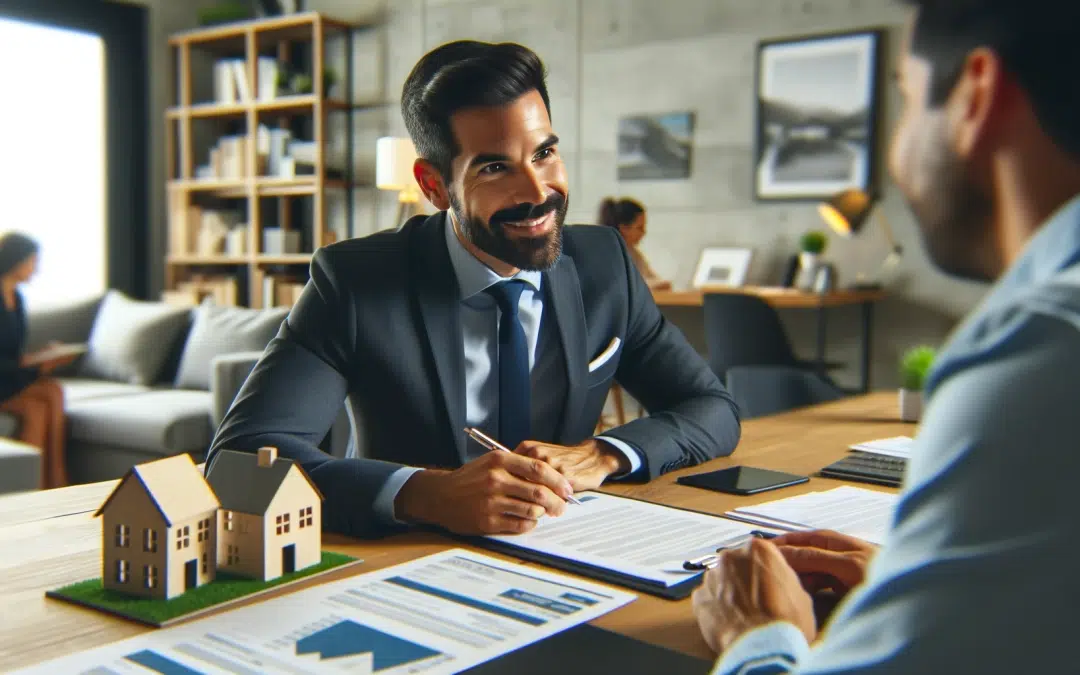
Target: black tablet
{"x":742,"y":480}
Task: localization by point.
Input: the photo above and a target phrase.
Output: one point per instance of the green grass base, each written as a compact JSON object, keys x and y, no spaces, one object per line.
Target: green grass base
{"x":224,"y":588}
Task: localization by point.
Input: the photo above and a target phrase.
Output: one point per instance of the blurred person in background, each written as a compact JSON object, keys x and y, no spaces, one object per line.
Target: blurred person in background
{"x":26,"y":390}
{"x":628,"y":217}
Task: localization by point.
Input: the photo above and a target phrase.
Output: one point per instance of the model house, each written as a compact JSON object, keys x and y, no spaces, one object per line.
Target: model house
{"x":271,"y":514}
{"x":158,"y":530}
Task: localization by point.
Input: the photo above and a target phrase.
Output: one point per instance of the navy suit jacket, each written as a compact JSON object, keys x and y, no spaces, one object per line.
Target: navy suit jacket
{"x":378,"y":325}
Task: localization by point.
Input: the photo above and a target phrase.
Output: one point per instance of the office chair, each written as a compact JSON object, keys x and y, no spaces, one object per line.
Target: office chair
{"x":749,"y":350}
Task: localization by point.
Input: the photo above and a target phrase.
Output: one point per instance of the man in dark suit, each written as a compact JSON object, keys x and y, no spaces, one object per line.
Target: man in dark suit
{"x":488,"y":314}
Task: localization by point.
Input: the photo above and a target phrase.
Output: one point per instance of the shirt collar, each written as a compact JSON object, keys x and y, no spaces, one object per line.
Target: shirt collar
{"x":473,"y":276}
{"x":1053,"y":248}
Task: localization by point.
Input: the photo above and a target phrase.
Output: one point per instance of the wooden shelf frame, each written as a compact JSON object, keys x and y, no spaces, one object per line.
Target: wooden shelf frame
{"x":248,"y":40}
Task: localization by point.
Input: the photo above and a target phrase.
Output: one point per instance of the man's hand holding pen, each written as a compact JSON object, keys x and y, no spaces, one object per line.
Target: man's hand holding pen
{"x":586,"y":465}
{"x":496,"y":493}
{"x":503,"y":491}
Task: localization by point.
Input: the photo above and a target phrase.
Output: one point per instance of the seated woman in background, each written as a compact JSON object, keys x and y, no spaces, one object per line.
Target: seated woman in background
{"x":25,"y":389}
{"x":628,"y":217}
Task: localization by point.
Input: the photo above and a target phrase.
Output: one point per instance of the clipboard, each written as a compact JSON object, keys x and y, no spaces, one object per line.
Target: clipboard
{"x":673,"y":592}
{"x":58,"y":352}
{"x":677,"y":591}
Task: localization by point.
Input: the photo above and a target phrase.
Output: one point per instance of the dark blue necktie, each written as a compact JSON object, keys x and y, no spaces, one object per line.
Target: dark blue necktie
{"x":514,"y":400}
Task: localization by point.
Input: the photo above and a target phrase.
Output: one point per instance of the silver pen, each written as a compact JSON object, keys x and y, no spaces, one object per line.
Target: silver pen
{"x":492,"y":444}
{"x":710,"y":561}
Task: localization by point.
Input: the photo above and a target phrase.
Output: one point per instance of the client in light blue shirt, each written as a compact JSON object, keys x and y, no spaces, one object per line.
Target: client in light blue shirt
{"x":979,"y":571}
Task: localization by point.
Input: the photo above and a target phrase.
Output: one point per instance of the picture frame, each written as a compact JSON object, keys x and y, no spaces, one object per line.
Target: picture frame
{"x":818,"y":101}
{"x":722,"y":266}
{"x":655,"y":146}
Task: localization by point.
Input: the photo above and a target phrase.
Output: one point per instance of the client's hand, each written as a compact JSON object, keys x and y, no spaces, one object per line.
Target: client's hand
{"x":824,"y":559}
{"x":750,"y":587}
{"x":586,"y":465}
{"x":496,"y":493}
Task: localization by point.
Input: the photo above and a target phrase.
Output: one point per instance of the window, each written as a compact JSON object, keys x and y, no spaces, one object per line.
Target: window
{"x":233,"y":557}
{"x":183,"y":537}
{"x":204,"y":530}
{"x":228,"y":521}
{"x":123,"y":571}
{"x":150,"y":576}
{"x":205,"y":567}
{"x":150,"y":540}
{"x":60,"y":66}
{"x":305,"y":517}
{"x":283,"y":524}
{"x":123,"y":536}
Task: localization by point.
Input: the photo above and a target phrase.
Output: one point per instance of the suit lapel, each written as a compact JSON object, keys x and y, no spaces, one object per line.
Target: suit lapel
{"x":569,"y":313}
{"x":439,"y":303}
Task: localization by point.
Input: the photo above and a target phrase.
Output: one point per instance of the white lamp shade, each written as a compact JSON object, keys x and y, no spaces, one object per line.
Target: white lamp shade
{"x":394,"y":158}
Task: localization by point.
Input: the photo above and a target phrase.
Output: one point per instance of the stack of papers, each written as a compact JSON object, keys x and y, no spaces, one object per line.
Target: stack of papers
{"x":439,"y":615}
{"x":857,"y":512}
{"x":897,"y":446}
{"x":638,"y":539}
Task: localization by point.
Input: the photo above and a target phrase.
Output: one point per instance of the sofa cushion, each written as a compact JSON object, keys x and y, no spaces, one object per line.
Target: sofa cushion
{"x":9,"y":425}
{"x":218,"y":330}
{"x":165,"y":421}
{"x":80,"y":389}
{"x":20,"y":467}
{"x":69,"y":322}
{"x":132,"y":339}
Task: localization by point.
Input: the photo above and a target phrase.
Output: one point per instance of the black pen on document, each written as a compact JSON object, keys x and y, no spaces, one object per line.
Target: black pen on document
{"x":491,"y":444}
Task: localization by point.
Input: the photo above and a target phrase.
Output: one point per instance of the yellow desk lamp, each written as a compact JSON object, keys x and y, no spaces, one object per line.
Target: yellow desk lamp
{"x":847,"y":214}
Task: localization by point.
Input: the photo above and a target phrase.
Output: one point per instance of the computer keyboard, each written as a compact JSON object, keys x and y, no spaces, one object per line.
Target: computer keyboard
{"x":867,"y":467}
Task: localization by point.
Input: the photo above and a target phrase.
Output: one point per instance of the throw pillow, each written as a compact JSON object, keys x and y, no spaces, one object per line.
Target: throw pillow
{"x":222,"y":330}
{"x":131,"y":339}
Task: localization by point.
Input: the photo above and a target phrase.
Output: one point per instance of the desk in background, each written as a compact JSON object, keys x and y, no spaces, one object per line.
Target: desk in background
{"x":790,"y":298}
{"x":50,"y":539}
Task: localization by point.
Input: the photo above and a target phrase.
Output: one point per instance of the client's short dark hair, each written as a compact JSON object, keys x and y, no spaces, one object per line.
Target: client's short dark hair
{"x":464,"y":74}
{"x":1036,"y":40}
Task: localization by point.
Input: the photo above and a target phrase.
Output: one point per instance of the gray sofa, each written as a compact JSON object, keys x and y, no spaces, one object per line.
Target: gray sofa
{"x":145,"y":388}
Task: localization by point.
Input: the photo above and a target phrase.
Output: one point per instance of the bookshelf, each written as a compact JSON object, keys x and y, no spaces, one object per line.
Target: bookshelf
{"x":252,"y":160}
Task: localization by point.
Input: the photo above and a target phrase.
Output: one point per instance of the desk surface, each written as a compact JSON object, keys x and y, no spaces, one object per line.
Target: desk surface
{"x":776,"y":296}
{"x":49,"y":539}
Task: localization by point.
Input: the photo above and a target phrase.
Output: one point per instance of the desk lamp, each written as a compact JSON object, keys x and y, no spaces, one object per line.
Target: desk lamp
{"x":394,"y":158}
{"x":847,"y":213}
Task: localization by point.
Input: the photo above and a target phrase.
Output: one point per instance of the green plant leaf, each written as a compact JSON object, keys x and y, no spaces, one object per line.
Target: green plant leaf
{"x":915,"y":365}
{"x":813,"y":241}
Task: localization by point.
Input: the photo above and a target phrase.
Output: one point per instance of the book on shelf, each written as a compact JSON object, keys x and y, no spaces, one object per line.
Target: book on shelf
{"x":281,"y":290}
{"x":222,"y":290}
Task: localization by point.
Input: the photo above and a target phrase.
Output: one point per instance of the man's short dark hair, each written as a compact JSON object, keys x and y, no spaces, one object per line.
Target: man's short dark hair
{"x":464,"y":74}
{"x":1037,"y":41}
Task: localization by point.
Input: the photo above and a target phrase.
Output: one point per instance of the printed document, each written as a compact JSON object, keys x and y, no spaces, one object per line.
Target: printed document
{"x":440,"y":614}
{"x":897,"y":446}
{"x":866,"y":514}
{"x":643,"y":540}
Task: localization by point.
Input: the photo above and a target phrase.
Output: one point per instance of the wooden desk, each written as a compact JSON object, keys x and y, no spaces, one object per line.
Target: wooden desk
{"x":49,"y":539}
{"x":790,"y":298}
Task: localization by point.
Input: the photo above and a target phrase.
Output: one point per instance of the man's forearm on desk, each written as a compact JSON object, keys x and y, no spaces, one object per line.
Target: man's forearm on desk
{"x":383,"y":506}
{"x":633,"y":456}
{"x":769,"y":650}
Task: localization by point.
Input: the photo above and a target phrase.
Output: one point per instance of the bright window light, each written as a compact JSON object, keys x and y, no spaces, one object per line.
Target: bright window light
{"x":52,"y":170}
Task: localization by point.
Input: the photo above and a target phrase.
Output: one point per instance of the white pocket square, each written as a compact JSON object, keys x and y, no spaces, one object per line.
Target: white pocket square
{"x":605,"y":355}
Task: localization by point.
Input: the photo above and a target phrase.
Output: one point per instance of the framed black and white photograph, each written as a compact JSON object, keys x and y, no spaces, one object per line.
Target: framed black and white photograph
{"x":817,"y":109}
{"x":655,"y":147}
{"x":721,"y":266}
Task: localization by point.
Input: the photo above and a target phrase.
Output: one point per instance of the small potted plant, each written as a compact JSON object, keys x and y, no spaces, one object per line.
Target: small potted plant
{"x":811,"y":245}
{"x":914,"y":367}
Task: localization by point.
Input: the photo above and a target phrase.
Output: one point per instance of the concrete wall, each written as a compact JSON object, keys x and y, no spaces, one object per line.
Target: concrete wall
{"x":609,"y":58}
